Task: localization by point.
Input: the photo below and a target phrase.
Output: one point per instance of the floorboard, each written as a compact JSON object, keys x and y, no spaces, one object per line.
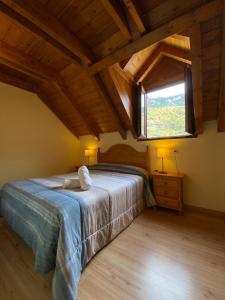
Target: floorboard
{"x":161,"y":256}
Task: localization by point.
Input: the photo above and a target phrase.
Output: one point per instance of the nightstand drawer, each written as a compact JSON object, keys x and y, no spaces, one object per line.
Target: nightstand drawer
{"x":167,"y":202}
{"x":167,"y":191}
{"x":164,"y":182}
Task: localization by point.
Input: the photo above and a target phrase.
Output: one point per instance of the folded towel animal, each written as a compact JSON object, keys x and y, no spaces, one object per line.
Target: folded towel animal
{"x":85,"y":179}
{"x":71,"y":183}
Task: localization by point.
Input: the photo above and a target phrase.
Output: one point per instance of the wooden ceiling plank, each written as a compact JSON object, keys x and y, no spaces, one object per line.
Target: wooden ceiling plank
{"x":196,"y":58}
{"x":45,"y":99}
{"x":176,"y":53}
{"x":32,"y":16}
{"x":175,"y":26}
{"x":133,"y":10}
{"x":15,"y":59}
{"x":93,"y":128}
{"x":153,"y":59}
{"x":221,"y":106}
{"x":115,"y":12}
{"x":100,"y":86}
{"x":162,"y":50}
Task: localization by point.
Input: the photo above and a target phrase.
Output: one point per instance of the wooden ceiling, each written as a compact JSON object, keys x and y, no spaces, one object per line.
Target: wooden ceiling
{"x":83,"y":58}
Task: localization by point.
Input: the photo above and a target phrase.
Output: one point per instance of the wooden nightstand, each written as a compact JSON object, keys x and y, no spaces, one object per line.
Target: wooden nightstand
{"x":168,"y":190}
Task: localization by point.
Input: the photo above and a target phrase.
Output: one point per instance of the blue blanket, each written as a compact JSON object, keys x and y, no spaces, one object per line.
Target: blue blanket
{"x":50,"y":222}
{"x":54,"y":223}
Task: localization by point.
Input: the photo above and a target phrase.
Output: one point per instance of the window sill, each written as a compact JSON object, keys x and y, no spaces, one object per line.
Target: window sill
{"x":141,"y":139}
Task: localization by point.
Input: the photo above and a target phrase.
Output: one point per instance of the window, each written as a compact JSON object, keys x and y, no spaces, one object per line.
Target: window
{"x":167,"y":112}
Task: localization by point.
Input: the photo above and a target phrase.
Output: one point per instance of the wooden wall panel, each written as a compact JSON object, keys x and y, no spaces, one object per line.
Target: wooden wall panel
{"x":211,"y":34}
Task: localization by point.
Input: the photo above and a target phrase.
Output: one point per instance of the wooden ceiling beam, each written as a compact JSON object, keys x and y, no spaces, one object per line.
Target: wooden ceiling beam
{"x":22,"y":69}
{"x":36,"y":70}
{"x":126,"y":75}
{"x":175,"y":26}
{"x":126,"y":112}
{"x":133,"y":10}
{"x":221,"y":106}
{"x":181,"y":37}
{"x":196,"y":58}
{"x":36,"y":19}
{"x":14,"y":79}
{"x":176,"y":53}
{"x":15,"y":59}
{"x":124,"y":62}
{"x":115,"y":11}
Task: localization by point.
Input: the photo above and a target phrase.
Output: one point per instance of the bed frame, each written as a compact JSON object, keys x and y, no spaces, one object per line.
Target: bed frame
{"x":125,"y":154}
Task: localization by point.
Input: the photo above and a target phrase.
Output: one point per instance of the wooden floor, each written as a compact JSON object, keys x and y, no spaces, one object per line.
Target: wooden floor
{"x":161,"y":256}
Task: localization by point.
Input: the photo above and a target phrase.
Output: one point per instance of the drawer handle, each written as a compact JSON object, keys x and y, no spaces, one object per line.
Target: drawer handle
{"x":165,"y":183}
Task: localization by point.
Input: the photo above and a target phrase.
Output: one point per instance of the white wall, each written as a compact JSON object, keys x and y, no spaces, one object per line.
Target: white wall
{"x":201,"y":159}
{"x":33,"y":142}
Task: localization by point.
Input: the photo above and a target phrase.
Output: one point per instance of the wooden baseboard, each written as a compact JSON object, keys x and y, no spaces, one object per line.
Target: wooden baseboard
{"x":205,"y":211}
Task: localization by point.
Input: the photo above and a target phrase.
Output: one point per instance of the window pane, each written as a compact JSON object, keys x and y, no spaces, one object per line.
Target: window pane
{"x":143,"y":114}
{"x":166,"y":112}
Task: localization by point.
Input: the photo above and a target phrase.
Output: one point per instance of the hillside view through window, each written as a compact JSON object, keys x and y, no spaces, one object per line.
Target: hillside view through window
{"x":166,"y":112}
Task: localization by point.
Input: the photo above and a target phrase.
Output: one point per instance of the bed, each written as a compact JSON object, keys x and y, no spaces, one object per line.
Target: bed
{"x":66,"y":228}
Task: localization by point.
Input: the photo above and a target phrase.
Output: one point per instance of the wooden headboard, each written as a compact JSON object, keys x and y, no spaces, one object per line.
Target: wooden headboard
{"x":125,"y":154}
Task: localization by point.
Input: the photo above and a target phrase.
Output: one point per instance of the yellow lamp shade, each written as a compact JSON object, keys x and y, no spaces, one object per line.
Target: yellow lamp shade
{"x":163,"y":152}
{"x":88,"y":152}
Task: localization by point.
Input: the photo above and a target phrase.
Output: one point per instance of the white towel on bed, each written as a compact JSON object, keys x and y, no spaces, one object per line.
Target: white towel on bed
{"x":85,"y":179}
{"x":71,"y":183}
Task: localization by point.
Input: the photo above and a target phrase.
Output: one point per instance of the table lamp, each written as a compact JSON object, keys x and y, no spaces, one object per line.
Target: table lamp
{"x":162,"y":153}
{"x":88,"y":153}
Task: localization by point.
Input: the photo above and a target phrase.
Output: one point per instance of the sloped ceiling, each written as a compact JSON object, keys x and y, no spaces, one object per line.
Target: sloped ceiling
{"x":68,"y":53}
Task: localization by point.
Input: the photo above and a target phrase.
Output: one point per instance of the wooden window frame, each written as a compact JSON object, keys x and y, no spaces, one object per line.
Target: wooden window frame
{"x":189,"y":110}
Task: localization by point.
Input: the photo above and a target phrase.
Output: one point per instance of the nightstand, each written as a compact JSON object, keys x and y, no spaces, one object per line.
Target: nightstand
{"x":168,"y":190}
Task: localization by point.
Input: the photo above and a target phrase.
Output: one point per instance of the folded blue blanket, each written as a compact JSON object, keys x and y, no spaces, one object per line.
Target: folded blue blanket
{"x":50,"y":222}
